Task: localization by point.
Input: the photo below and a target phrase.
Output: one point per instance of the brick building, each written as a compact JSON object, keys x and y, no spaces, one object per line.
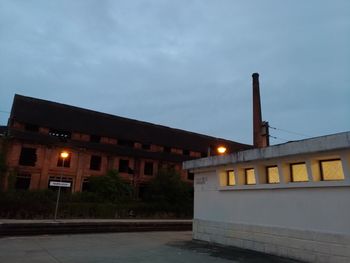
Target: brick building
{"x":38,"y":130}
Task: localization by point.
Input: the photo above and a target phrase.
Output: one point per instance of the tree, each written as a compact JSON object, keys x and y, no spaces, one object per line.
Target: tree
{"x":110,"y":187}
{"x":169,"y":191}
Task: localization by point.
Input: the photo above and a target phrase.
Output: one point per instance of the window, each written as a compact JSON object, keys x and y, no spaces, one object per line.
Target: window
{"x":124,"y":166}
{"x":126,"y":143}
{"x":272,"y":175}
{"x":331,"y":170}
{"x":95,"y":138}
{"x":27,"y":157}
{"x":298,"y":172}
{"x":250,"y":176}
{"x":64,"y":162}
{"x":95,"y":162}
{"x":22,"y":181}
{"x":85,"y":185}
{"x":31,"y":127}
{"x":231,"y":180}
{"x":60,"y":133}
{"x":186,"y":152}
{"x":146,"y":146}
{"x":166,"y":149}
{"x":148,"y":168}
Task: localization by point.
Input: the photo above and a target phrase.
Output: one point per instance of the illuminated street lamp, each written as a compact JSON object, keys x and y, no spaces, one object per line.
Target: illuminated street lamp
{"x":64,"y":155}
{"x":221,"y":149}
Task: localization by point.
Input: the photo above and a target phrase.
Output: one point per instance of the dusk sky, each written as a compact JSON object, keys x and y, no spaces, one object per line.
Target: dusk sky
{"x":185,"y":64}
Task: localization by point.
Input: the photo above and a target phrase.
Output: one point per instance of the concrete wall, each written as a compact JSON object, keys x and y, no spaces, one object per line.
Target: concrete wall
{"x":308,"y":221}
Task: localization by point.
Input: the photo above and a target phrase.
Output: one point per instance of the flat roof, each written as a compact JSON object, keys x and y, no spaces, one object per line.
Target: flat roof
{"x":313,"y":145}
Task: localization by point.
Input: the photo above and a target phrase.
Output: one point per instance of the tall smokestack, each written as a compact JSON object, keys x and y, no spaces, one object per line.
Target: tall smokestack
{"x":260,"y":128}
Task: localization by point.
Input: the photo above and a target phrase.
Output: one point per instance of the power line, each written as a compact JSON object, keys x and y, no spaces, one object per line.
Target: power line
{"x":2,"y":111}
{"x":278,"y":138}
{"x":291,"y":132}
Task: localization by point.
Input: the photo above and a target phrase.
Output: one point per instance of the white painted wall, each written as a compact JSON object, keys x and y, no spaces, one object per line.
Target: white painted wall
{"x":324,"y":209}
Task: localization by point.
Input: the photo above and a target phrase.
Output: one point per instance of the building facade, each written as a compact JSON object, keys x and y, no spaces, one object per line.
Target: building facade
{"x":39,"y":130}
{"x":290,"y":200}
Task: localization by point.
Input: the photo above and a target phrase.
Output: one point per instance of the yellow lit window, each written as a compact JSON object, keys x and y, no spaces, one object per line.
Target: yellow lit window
{"x":250,"y":176}
{"x":331,"y":170}
{"x":299,"y":172}
{"x":230,"y":177}
{"x":272,"y":175}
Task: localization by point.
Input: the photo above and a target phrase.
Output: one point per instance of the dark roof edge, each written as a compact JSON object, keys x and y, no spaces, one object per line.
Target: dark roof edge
{"x":18,"y":96}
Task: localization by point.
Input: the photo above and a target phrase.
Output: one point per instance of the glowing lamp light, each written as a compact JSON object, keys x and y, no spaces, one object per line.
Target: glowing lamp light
{"x":221,"y":149}
{"x":64,"y":155}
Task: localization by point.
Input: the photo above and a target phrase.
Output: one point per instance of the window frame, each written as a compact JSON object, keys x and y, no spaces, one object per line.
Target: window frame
{"x":91,"y":162}
{"x":228,"y":178}
{"x":322,"y":173}
{"x":291,"y":172}
{"x":268,"y":175}
{"x":246,"y":176}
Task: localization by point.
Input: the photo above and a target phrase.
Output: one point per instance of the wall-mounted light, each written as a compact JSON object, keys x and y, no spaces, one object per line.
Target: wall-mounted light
{"x":221,"y":149}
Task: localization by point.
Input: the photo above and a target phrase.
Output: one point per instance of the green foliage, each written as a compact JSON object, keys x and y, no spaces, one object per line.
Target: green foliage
{"x":108,"y":197}
{"x":169,"y":193}
{"x":110,"y":187}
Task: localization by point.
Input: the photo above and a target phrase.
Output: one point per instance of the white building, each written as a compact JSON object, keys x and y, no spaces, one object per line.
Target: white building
{"x":291,"y":200}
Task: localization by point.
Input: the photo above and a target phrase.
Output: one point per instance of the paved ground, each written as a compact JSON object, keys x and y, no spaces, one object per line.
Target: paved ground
{"x":122,"y":247}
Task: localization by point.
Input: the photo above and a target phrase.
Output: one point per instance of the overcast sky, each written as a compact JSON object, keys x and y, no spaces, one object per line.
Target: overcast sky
{"x":185,"y":64}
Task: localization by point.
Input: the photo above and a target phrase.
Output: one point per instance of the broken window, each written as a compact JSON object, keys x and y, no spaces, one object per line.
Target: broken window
{"x":28,"y":156}
{"x":166,"y":149}
{"x":148,"y":168}
{"x":124,"y":166}
{"x":186,"y":152}
{"x":95,"y":138}
{"x":31,"y":127}
{"x":126,"y":143}
{"x":146,"y":146}
{"x":22,"y":181}
{"x":60,"y":133}
{"x":64,"y":162}
{"x":95,"y":162}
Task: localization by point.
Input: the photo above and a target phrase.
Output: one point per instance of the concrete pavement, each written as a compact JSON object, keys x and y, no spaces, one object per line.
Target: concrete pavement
{"x":123,"y":247}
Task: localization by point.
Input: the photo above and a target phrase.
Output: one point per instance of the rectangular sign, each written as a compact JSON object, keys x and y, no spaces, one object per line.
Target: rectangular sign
{"x":62,"y":184}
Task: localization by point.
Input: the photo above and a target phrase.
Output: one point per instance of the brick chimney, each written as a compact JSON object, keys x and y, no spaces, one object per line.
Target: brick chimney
{"x":260,"y":128}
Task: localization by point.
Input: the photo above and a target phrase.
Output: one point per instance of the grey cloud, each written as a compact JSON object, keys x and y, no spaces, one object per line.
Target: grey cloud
{"x":185,"y":64}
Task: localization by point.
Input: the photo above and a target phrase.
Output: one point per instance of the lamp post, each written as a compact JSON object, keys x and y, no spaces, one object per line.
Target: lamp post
{"x":64,"y":155}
